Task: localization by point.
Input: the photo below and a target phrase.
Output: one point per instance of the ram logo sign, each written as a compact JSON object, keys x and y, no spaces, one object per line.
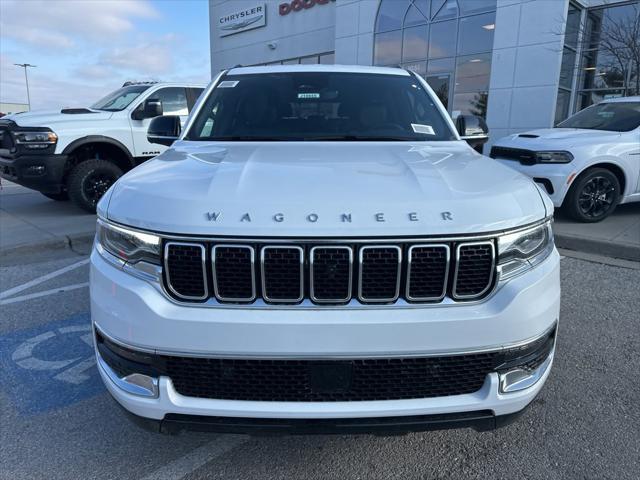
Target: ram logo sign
{"x":242,"y":20}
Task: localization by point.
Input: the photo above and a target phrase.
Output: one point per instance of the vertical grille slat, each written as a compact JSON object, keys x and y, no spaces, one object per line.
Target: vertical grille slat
{"x":475,"y":264}
{"x":379,"y":279}
{"x":234,"y":273}
{"x":427,"y":272}
{"x":185,"y":264}
{"x":331,"y":272}
{"x":282,"y":274}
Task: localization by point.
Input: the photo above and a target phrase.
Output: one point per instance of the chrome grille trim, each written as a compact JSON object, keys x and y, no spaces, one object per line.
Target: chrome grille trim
{"x":253,"y":273}
{"x":350,"y":287}
{"x":204,"y":270}
{"x":446,"y":273}
{"x":398,"y":274}
{"x":262,"y":272}
{"x":454,"y":295}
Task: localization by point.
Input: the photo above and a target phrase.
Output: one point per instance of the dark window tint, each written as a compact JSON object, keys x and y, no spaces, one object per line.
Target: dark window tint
{"x":320,"y":106}
{"x":192,"y":96}
{"x":616,"y":116}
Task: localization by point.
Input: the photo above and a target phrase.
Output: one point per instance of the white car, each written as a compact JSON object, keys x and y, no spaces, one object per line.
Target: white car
{"x":78,"y":153}
{"x":319,"y":251}
{"x":588,"y":164}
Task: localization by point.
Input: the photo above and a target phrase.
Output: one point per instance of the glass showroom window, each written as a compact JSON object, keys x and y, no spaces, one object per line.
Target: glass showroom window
{"x":609,"y":60}
{"x":448,"y":42}
{"x":572,"y":36}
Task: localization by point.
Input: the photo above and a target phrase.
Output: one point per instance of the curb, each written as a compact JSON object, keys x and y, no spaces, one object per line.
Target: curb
{"x":599,"y":247}
{"x":78,"y":243}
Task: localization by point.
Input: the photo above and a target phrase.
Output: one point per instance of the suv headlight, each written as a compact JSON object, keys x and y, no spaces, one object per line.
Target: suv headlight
{"x":554,"y":157}
{"x":34,"y":140}
{"x":523,"y":250}
{"x":130,"y":246}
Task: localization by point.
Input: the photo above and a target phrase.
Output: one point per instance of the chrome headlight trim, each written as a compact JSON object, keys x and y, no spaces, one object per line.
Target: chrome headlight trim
{"x":521,"y":250}
{"x":130,"y":246}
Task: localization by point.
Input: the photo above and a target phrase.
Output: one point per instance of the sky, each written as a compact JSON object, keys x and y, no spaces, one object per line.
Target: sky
{"x":85,"y":49}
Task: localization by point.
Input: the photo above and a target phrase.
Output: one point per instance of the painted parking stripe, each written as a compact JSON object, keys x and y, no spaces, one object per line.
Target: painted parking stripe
{"x":31,"y":296}
{"x":197,"y":458}
{"x":44,"y":278}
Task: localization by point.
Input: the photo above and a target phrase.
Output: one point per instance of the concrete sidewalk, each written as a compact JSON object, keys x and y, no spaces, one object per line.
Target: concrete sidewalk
{"x":30,"y":221}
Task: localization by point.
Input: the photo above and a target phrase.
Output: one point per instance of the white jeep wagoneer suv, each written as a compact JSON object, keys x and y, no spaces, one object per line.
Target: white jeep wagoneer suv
{"x":320,"y":251}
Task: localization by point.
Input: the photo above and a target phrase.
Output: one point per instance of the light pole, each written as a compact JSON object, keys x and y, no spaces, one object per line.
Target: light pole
{"x":26,"y":79}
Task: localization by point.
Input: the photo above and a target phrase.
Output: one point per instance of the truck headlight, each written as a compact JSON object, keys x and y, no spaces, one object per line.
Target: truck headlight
{"x":523,"y":250}
{"x":33,"y":139}
{"x":128,"y":245}
{"x":554,"y":157}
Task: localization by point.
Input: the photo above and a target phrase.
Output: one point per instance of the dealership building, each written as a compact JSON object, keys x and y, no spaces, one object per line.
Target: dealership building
{"x":522,"y":64}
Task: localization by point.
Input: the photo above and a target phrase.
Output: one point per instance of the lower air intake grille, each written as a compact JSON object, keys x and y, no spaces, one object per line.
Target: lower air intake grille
{"x":379,"y":273}
{"x":186,"y":274}
{"x":327,"y":381}
{"x":282,"y":274}
{"x":474,"y":269}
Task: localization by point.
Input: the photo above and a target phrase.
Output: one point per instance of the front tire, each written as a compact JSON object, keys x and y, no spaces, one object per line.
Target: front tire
{"x":58,"y":197}
{"x":593,"y":196}
{"x":90,"y":180}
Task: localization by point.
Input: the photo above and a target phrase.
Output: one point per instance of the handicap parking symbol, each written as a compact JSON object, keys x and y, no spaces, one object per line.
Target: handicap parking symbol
{"x":50,"y":366}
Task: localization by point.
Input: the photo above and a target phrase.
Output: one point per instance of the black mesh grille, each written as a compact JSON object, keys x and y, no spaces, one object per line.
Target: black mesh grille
{"x":185,"y":270}
{"x":474,"y":269}
{"x":281,"y":272}
{"x":326,"y":381}
{"x":379,"y":273}
{"x":427,"y":277}
{"x":233,"y":270}
{"x":525,"y":157}
{"x":331,"y":273}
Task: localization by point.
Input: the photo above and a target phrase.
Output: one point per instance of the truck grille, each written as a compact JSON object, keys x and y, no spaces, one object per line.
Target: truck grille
{"x":330,"y":381}
{"x":328,"y":274}
{"x":6,"y":141}
{"x":525,"y":157}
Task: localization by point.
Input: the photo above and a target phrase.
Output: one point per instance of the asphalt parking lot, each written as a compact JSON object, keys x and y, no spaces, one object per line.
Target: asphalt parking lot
{"x":57,"y":421}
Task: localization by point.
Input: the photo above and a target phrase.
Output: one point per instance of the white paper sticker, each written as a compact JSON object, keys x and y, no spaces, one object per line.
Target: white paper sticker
{"x":228,"y":84}
{"x":425,"y":129}
{"x":308,"y":95}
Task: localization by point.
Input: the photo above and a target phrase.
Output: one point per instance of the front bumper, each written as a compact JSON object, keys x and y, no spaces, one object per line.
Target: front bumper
{"x":553,"y":178}
{"x":42,"y":172}
{"x":135,"y":313}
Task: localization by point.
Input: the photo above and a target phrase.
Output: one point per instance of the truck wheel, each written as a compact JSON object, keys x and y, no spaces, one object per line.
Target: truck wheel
{"x":58,"y":197}
{"x":593,"y":196}
{"x":89,"y":180}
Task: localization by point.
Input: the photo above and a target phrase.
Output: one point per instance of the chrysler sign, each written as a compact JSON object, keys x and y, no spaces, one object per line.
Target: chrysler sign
{"x":242,"y":20}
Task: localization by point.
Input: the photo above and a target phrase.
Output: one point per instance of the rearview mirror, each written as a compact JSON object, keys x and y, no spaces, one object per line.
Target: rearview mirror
{"x":150,"y":108}
{"x":164,"y":130}
{"x":473,"y":130}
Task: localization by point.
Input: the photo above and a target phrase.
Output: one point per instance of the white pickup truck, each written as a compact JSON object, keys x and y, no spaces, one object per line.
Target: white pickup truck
{"x":320,"y":251}
{"x":78,"y":153}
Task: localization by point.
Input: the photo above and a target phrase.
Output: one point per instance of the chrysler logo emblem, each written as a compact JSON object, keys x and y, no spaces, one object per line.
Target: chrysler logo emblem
{"x":242,"y":24}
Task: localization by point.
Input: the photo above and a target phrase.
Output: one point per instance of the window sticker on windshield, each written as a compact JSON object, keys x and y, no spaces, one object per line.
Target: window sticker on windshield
{"x":425,"y":129}
{"x":308,"y":95}
{"x":228,"y":84}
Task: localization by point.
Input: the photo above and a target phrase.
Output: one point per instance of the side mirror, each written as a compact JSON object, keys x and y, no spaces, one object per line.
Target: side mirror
{"x":473,"y":130}
{"x":150,"y":108}
{"x":164,"y":130}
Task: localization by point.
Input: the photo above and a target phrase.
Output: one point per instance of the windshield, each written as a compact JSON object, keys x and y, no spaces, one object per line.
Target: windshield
{"x":615,"y":116}
{"x":120,"y":99}
{"x":319,"y":106}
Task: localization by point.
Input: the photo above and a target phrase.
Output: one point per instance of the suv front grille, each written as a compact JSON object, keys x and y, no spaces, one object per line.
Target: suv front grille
{"x":330,"y":381}
{"x":525,"y":157}
{"x":329,"y":273}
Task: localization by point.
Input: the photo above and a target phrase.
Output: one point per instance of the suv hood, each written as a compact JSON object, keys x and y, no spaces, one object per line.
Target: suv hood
{"x":313,"y":188}
{"x":50,"y":118}
{"x":557,"y":138}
